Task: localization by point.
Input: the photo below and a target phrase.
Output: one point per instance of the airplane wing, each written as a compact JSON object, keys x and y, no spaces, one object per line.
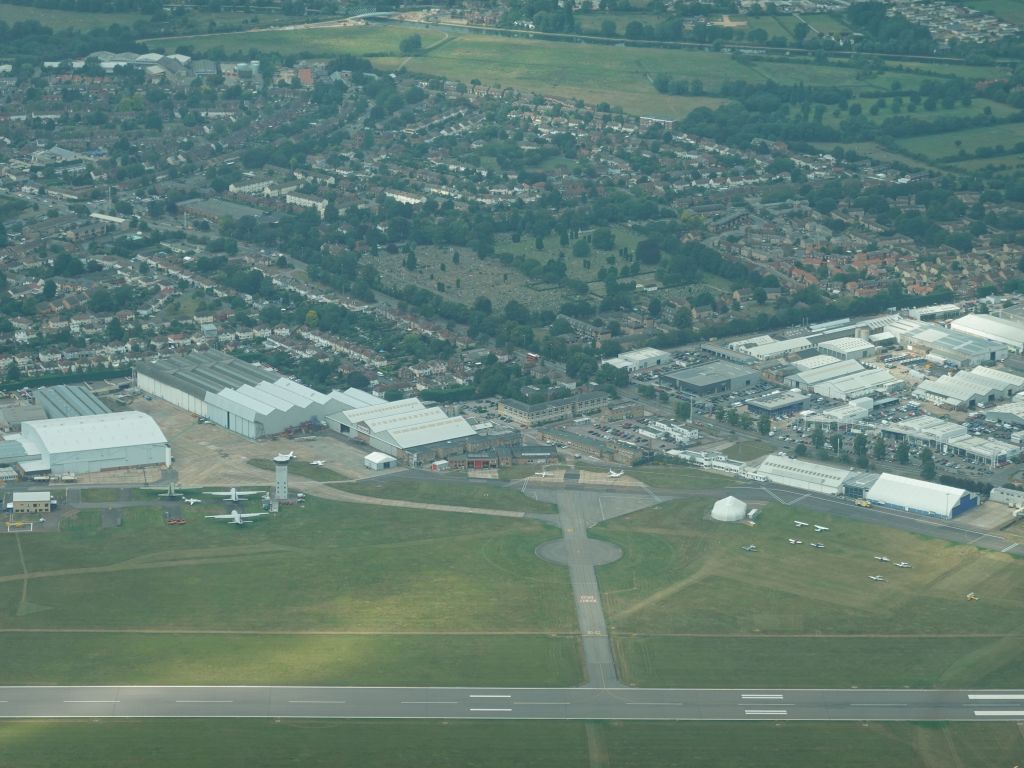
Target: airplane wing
{"x":217,"y":493}
{"x":246,"y":493}
{"x":245,"y":515}
{"x":221,"y":517}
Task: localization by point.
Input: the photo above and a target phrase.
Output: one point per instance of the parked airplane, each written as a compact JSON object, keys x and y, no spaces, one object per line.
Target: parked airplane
{"x":285,"y":456}
{"x":800,"y":523}
{"x":817,"y":545}
{"x":317,"y":463}
{"x":904,"y":564}
{"x":541,"y":474}
{"x":613,"y":473}
{"x":795,"y":541}
{"x":877,"y":578}
{"x":233,"y":495}
{"x":820,"y":528}
{"x":971,"y":596}
{"x":750,"y":548}
{"x":238,"y":518}
{"x":883,"y":558}
{"x":192,"y":502}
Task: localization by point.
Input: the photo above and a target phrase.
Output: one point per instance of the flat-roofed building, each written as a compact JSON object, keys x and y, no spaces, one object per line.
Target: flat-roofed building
{"x":1008,"y":332}
{"x":806,"y":475}
{"x":713,"y":378}
{"x":531,"y":414}
{"x":847,"y":348}
{"x":32,"y":503}
{"x":920,"y":496}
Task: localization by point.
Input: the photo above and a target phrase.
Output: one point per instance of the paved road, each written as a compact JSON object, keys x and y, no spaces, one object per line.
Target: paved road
{"x":508,"y":703}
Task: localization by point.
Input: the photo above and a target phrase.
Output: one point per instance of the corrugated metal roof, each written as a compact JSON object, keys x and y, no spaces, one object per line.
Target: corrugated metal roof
{"x":65,"y":400}
{"x":94,"y":432}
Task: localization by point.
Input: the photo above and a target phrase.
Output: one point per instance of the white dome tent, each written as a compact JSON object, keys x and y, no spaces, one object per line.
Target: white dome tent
{"x":729,"y":510}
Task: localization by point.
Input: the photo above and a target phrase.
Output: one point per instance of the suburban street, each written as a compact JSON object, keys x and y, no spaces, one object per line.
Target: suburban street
{"x":508,"y":703}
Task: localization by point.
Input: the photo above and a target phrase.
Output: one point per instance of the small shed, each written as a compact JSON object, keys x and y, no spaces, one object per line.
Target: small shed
{"x":441,"y":465}
{"x":378,"y":460}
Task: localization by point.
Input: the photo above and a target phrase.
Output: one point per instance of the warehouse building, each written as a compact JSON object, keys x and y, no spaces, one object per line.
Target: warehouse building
{"x":808,"y":379}
{"x":815,"y":361}
{"x":842,"y":417}
{"x":967,"y":390}
{"x":998,"y":329}
{"x":911,"y":495}
{"x":14,"y":413}
{"x":713,"y":378}
{"x":66,"y":400}
{"x":949,"y":437}
{"x":247,"y":399}
{"x":83,"y":444}
{"x":945,"y":345}
{"x":861,"y":384}
{"x":847,"y":348}
{"x":805,"y":475}
{"x":639,"y":359}
{"x":777,"y":404}
{"x":782,"y":348}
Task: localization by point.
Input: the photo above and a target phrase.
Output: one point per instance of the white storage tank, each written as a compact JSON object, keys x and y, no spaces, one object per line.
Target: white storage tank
{"x":729,"y":510}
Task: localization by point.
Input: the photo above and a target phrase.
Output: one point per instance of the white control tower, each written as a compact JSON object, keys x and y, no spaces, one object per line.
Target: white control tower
{"x":281,"y":475}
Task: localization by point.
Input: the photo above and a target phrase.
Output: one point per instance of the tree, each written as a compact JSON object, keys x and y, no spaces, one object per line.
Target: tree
{"x":764,"y":424}
{"x":800,"y":451}
{"x":683,"y":410}
{"x":411,"y":45}
{"x":878,"y":450}
{"x":115,"y":331}
{"x":13,"y":372}
{"x":903,"y":453}
{"x":581,"y":249}
{"x":49,"y":289}
{"x":818,"y":437}
{"x":927,"y":465}
{"x":860,"y":445}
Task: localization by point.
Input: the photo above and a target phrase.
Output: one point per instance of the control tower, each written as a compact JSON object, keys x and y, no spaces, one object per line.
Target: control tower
{"x":281,"y":462}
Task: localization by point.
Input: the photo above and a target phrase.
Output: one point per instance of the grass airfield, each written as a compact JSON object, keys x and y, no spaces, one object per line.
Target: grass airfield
{"x":400,"y":595}
{"x":687,"y":606}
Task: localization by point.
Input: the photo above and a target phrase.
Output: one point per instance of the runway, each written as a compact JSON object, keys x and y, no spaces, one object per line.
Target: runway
{"x":508,"y":703}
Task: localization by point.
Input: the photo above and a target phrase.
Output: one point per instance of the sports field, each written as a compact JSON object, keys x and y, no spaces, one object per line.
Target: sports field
{"x":520,"y":744}
{"x":330,"y":566}
{"x":689,"y":607}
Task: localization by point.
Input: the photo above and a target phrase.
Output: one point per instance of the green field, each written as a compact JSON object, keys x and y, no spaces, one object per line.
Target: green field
{"x":480,"y":494}
{"x":1007,"y":10}
{"x":945,"y":144}
{"x":376,"y":40}
{"x":825,"y":23}
{"x":46,"y":658}
{"x":518,"y":744}
{"x":338,"y":567}
{"x":748,"y":450}
{"x":689,"y":607}
{"x":84,"y":21}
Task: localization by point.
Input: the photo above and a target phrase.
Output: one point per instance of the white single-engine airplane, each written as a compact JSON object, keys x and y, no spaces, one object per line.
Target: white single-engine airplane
{"x":285,"y":456}
{"x":795,"y":541}
{"x":877,"y":578}
{"x":749,"y":548}
{"x":238,"y":518}
{"x":883,"y":558}
{"x":613,"y":473}
{"x":543,"y":473}
{"x":192,"y":502}
{"x":903,"y":564}
{"x":800,"y":523}
{"x":233,"y":495}
{"x":819,"y":528}
{"x":317,"y":463}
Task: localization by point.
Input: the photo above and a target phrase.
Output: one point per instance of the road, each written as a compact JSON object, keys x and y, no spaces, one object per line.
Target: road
{"x":509,"y":703}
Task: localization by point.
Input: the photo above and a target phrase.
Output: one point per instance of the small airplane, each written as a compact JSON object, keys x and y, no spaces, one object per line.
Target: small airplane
{"x":820,"y":528}
{"x":233,"y":495}
{"x":800,"y":523}
{"x":750,"y":548}
{"x":192,"y":502}
{"x":795,"y":541}
{"x":971,"y":596}
{"x":541,"y":474}
{"x":238,"y":518}
{"x":177,"y":521}
{"x":817,"y":545}
{"x":317,"y":463}
{"x":613,"y":473}
{"x":904,"y":564}
{"x":883,"y":558}
{"x":877,"y":578}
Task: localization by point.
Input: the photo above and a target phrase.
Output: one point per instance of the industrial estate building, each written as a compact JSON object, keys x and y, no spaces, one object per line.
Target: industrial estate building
{"x":997,"y":329}
{"x":532,"y":414}
{"x":639,"y":359}
{"x":713,"y":378}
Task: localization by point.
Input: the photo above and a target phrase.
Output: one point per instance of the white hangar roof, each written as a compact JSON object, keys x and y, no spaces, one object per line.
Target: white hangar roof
{"x":95,"y":432}
{"x":776,"y":466}
{"x":909,"y":492}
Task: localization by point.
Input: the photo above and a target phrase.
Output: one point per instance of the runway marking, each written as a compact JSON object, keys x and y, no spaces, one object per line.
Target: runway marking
{"x":765,"y":712}
{"x":1008,"y":548}
{"x":999,"y":712}
{"x":994,"y":696}
{"x":318,"y":701}
{"x":761,"y":696}
{"x":878,"y":705}
{"x":654,"y":704}
{"x":91,"y":701}
{"x":490,"y":710}
{"x":203,"y":701}
{"x":430,"y":702}
{"x":490,"y":695}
